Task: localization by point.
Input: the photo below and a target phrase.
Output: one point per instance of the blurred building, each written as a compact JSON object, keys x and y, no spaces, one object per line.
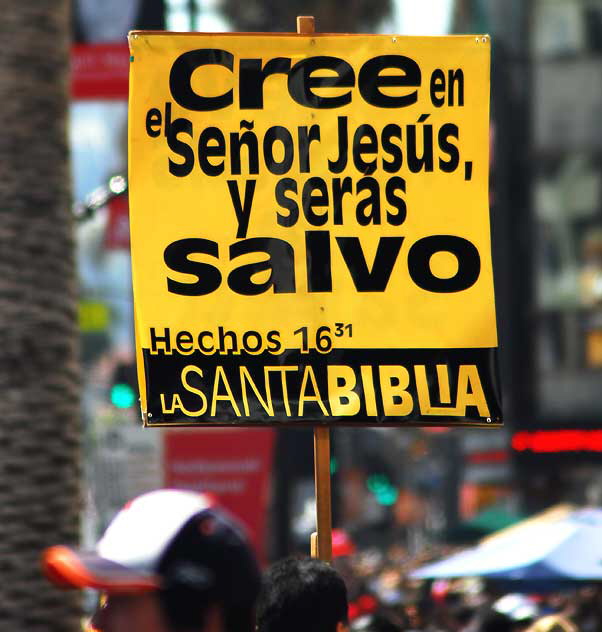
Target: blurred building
{"x":547,"y":237}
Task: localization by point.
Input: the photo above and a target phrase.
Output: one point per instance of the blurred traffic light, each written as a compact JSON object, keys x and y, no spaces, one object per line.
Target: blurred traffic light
{"x":124,"y":385}
{"x":122,"y":396}
{"x":383,"y":489}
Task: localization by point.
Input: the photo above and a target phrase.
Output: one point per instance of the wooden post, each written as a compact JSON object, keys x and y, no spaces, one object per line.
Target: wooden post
{"x":321,"y":542}
{"x":305,"y":24}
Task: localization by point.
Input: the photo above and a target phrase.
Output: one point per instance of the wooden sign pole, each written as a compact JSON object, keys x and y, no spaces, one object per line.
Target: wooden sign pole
{"x":321,"y":542}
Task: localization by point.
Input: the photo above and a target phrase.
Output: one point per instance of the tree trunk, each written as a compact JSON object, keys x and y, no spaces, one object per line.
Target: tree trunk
{"x":39,"y":413}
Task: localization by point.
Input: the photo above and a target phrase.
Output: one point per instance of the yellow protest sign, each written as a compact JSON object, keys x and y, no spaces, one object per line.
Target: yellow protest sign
{"x":310,"y":229}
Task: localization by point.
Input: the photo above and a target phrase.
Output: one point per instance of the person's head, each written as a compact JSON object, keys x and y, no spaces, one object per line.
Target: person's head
{"x":494,"y":621}
{"x":302,"y":595}
{"x":169,"y":561}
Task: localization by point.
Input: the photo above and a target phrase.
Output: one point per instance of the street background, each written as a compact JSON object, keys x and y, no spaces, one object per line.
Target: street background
{"x":401,"y":495}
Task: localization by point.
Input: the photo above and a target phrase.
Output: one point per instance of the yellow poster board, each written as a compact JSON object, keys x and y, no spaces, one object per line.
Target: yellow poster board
{"x":310,"y":229}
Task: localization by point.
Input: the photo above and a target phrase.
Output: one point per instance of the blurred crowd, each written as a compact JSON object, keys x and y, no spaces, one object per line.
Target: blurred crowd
{"x":175,"y":561}
{"x":383,"y":598}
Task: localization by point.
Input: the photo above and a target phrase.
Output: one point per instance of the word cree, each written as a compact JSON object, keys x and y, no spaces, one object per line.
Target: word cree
{"x":303,"y":78}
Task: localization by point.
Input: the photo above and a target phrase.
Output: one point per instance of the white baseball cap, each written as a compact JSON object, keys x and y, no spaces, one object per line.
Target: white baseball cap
{"x":159,"y":538}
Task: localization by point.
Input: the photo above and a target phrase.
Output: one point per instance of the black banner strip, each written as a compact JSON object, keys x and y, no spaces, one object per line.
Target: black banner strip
{"x":365,"y":387}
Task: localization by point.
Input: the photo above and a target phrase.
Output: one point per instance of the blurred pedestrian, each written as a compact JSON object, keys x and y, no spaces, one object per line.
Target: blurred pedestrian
{"x":343,"y":550}
{"x":491,"y":621}
{"x":302,"y":595}
{"x":376,"y":622}
{"x":553,"y":623}
{"x":169,"y":561}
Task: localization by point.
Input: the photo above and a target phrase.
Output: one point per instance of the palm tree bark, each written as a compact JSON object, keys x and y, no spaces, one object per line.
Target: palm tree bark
{"x":39,"y":410}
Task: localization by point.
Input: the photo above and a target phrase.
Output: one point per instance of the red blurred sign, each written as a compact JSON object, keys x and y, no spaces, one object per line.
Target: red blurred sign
{"x":487,"y":456}
{"x":117,"y":236}
{"x":552,"y":441}
{"x":100,"y":71}
{"x":232,"y":464}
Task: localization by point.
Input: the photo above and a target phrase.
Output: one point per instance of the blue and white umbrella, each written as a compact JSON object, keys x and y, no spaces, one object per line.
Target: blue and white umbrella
{"x":566,"y":548}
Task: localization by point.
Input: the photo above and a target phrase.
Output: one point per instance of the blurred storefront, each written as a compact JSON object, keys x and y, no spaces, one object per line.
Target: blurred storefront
{"x":566,"y":199}
{"x":547,"y":234}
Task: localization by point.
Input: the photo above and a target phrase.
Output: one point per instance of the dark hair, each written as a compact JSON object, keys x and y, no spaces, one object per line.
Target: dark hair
{"x":495,"y":622}
{"x":301,"y":595}
{"x":209,"y":563}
